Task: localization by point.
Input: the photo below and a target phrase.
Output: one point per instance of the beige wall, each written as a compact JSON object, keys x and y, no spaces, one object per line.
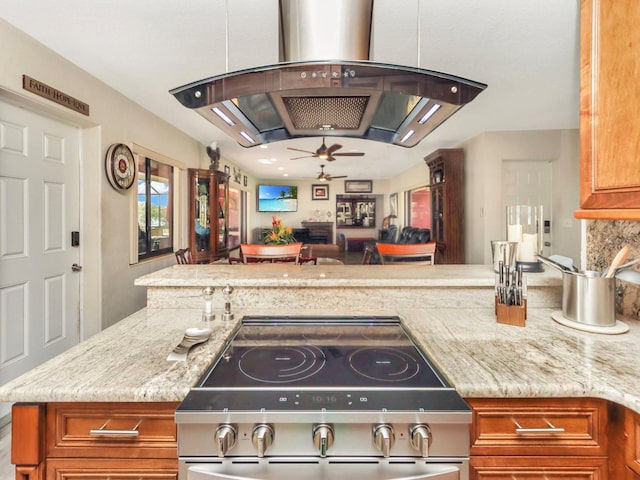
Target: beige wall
{"x":108,"y":292}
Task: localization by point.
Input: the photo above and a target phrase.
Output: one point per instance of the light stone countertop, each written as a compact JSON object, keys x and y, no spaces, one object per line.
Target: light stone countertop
{"x":480,"y":357}
{"x":328,"y":275}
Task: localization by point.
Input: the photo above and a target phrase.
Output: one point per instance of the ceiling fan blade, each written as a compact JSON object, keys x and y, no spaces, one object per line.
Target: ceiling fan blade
{"x":300,"y":150}
{"x":349,"y":154}
{"x":339,"y":176}
{"x":333,"y":148}
{"x":298,"y":158}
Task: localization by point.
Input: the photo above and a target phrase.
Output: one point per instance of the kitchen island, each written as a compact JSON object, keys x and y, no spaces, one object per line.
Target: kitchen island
{"x":448,"y":310}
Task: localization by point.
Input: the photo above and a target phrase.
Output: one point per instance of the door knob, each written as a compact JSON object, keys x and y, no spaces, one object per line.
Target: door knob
{"x":76,"y":268}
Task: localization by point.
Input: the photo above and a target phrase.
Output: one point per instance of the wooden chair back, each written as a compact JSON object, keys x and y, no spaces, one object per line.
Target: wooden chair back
{"x":289,"y":252}
{"x":407,"y":253}
{"x":183,"y":256}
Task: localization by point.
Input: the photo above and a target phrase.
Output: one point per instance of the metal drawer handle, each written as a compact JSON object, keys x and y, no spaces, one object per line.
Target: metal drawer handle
{"x":549,"y":429}
{"x":121,"y":433}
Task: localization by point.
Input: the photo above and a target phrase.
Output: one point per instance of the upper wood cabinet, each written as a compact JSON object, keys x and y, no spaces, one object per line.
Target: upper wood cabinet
{"x":446,"y":178}
{"x":609,"y":110}
{"x":208,"y":215}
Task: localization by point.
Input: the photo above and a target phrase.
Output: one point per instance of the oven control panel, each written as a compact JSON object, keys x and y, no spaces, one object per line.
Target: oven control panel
{"x":323,"y":439}
{"x":420,"y":400}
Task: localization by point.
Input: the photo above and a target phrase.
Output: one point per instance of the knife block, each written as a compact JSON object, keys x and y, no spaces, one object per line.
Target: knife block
{"x":511,"y":315}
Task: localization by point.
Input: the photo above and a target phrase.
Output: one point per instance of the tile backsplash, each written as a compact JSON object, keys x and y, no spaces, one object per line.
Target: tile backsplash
{"x":604,"y":239}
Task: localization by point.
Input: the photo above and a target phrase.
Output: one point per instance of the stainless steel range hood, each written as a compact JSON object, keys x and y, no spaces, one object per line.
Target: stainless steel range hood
{"x":310,"y":94}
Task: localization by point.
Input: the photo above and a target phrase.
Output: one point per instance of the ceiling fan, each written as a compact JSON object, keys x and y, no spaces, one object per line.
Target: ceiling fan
{"x":327,"y":177}
{"x":326,"y":153}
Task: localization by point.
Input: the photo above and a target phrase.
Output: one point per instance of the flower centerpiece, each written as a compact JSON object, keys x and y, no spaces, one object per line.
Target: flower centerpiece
{"x":279,"y":233}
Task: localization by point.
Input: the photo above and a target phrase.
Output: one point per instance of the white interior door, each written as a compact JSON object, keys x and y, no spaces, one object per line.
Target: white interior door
{"x":527,"y":183}
{"x":39,"y":208}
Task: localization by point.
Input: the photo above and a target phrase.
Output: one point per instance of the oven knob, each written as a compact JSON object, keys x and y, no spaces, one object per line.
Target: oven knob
{"x":323,"y":437}
{"x":383,"y":437}
{"x":421,"y":439}
{"x":225,"y":438}
{"x":262,"y":438}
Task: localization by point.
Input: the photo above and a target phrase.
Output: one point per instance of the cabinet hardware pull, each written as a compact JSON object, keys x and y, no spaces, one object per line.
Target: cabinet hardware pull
{"x":549,"y":429}
{"x":121,"y":433}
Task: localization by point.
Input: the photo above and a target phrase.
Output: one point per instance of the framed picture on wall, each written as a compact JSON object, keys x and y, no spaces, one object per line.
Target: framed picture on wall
{"x":320,"y":192}
{"x":393,"y":204}
{"x":358,"y":186}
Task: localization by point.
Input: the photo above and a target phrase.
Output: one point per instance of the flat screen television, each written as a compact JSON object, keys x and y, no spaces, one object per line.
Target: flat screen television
{"x":277,"y":198}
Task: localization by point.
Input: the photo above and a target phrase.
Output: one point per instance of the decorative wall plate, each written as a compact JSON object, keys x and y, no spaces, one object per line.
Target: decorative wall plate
{"x":120,"y":166}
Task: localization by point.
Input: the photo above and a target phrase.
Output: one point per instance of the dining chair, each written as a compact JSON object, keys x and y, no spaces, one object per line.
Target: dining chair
{"x":183,"y":256}
{"x":289,"y":252}
{"x":407,"y":253}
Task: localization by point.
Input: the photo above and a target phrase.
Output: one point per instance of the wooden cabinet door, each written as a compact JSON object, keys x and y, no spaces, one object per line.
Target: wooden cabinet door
{"x":609,"y":109}
{"x":632,"y":450}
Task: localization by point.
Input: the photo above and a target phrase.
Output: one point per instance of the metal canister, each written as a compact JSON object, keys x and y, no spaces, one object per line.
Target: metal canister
{"x":588,"y":298}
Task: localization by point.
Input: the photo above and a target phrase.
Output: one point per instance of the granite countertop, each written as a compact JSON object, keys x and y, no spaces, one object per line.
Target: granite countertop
{"x":480,"y":357}
{"x":329,"y":275}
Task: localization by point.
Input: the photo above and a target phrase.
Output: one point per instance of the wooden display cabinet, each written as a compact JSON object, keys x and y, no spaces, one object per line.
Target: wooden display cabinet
{"x":609,"y":107}
{"x":446,"y":183}
{"x":208,"y":215}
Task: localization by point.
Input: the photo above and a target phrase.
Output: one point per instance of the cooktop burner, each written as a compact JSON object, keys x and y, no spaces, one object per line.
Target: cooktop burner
{"x":334,"y":353}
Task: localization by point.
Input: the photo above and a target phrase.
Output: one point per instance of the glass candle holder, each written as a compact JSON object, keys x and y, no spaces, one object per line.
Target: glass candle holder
{"x":524,"y":224}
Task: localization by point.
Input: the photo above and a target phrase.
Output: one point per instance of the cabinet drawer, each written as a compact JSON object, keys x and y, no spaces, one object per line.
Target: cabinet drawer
{"x":536,"y":468}
{"x":138,"y":430}
{"x":539,"y":427}
{"x":112,"y":469}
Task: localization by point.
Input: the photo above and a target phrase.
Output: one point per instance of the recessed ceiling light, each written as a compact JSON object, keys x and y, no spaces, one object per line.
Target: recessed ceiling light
{"x":280,"y":168}
{"x":264,"y":146}
{"x":285,"y":174}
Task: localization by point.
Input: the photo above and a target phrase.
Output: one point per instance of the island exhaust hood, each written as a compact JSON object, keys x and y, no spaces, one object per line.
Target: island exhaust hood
{"x":308,"y":94}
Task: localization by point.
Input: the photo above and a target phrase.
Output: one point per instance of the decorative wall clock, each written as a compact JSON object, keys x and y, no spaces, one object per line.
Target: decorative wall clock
{"x":120,"y":166}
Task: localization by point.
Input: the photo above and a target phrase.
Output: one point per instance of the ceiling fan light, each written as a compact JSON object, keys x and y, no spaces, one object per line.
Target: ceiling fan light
{"x":429,"y":114}
{"x":223,"y":116}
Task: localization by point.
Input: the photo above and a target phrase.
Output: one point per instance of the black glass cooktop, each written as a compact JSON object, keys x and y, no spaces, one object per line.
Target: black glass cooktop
{"x":332,"y":352}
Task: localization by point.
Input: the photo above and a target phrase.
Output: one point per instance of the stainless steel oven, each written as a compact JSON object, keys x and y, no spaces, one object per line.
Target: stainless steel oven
{"x":323,"y":397}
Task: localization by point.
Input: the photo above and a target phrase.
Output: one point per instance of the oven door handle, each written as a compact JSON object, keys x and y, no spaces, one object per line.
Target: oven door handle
{"x":319,"y":469}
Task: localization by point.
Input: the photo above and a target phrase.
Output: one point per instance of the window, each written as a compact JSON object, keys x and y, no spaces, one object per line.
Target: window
{"x":155,"y":207}
{"x":419,"y":207}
